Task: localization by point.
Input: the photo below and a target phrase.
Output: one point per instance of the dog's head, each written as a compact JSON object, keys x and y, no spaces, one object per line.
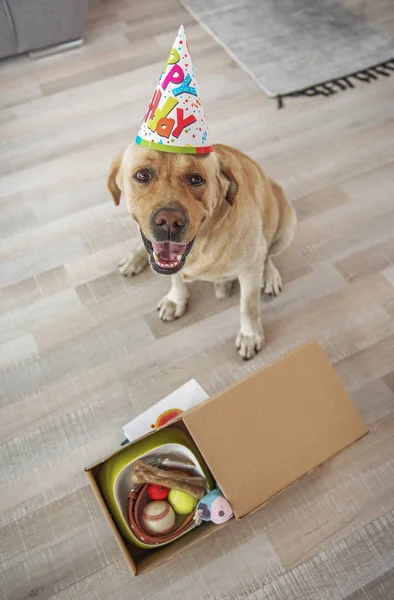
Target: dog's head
{"x":170,"y":196}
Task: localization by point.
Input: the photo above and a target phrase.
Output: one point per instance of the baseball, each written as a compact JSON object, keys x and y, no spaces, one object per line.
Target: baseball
{"x":158,"y":518}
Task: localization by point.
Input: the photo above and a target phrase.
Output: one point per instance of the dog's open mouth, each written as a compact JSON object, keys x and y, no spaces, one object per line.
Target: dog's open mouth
{"x":167,"y":258}
{"x":168,"y":255}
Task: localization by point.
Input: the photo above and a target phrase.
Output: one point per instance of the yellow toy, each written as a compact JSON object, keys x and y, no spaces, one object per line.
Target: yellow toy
{"x":182,"y":503}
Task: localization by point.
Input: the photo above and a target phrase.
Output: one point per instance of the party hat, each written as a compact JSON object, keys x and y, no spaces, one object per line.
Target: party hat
{"x":175,"y":119}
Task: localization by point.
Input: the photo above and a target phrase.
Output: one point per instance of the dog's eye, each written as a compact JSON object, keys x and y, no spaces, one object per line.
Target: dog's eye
{"x":142,"y":176}
{"x":196,"y":180}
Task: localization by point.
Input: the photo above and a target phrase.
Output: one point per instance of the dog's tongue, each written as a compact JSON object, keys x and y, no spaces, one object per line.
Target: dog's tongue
{"x":168,"y":250}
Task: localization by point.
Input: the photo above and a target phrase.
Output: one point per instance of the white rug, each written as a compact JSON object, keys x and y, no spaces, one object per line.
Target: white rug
{"x":297,"y":46}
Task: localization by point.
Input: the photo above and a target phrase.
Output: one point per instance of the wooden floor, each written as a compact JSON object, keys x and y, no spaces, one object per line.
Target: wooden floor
{"x":82,"y":350}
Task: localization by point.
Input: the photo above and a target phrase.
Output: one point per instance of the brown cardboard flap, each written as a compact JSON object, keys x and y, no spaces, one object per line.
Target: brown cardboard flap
{"x":120,"y":541}
{"x":267,"y":431}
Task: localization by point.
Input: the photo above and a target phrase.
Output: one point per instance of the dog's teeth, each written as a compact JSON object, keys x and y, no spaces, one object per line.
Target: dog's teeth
{"x":167,"y":264}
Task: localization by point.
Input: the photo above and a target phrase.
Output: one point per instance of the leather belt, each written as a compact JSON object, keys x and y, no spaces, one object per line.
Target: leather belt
{"x":137,"y":499}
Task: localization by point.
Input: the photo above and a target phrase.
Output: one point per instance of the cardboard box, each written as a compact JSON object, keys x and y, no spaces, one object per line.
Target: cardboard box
{"x":258,"y":437}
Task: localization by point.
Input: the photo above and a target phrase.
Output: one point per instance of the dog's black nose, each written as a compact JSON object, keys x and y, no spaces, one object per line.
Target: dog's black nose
{"x":169,"y":221}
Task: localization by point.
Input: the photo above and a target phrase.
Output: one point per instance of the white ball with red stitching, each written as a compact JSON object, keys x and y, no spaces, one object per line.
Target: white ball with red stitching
{"x":158,"y":518}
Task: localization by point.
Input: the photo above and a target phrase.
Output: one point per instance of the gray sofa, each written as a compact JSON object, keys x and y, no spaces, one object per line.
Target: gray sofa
{"x":27,"y":25}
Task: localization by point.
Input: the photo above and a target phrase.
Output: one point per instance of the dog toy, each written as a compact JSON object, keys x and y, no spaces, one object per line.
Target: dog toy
{"x":157,"y":492}
{"x":182,"y":503}
{"x":145,"y":473}
{"x":213,"y":507}
{"x":158,"y":518}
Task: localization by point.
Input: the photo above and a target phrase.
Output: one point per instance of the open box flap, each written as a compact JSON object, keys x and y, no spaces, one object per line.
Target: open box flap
{"x":264,"y":433}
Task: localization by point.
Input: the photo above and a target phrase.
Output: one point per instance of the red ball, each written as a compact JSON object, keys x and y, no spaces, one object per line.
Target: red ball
{"x":157,"y":492}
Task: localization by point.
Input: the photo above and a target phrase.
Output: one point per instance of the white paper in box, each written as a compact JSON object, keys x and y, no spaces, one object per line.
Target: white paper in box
{"x":185,"y":397}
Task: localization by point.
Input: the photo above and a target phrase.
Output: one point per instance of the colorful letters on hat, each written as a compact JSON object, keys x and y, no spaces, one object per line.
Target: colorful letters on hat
{"x":175,"y":119}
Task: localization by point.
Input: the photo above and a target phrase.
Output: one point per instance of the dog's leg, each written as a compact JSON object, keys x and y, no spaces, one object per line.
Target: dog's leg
{"x":135,"y":262}
{"x":174,"y":304}
{"x":250,"y":339}
{"x":272,"y":280}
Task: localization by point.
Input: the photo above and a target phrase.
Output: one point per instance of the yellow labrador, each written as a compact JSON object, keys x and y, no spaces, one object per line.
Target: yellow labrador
{"x":214,"y":217}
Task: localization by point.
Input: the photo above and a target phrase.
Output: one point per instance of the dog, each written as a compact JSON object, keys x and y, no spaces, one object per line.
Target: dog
{"x":214,"y":217}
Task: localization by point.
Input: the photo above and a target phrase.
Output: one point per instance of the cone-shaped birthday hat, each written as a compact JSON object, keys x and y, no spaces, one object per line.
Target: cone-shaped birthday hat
{"x":175,"y":119}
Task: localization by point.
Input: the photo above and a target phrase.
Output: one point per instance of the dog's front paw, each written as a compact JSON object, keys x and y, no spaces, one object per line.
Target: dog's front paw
{"x":133,"y":263}
{"x":170,"y":310}
{"x":249,"y":345}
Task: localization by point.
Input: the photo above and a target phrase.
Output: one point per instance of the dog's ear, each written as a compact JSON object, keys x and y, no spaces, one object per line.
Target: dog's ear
{"x":228,"y":177}
{"x":113,"y":179}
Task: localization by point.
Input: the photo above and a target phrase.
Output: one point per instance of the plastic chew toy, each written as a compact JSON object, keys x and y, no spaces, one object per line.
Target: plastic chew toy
{"x":183,"y":482}
{"x":213,"y":507}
